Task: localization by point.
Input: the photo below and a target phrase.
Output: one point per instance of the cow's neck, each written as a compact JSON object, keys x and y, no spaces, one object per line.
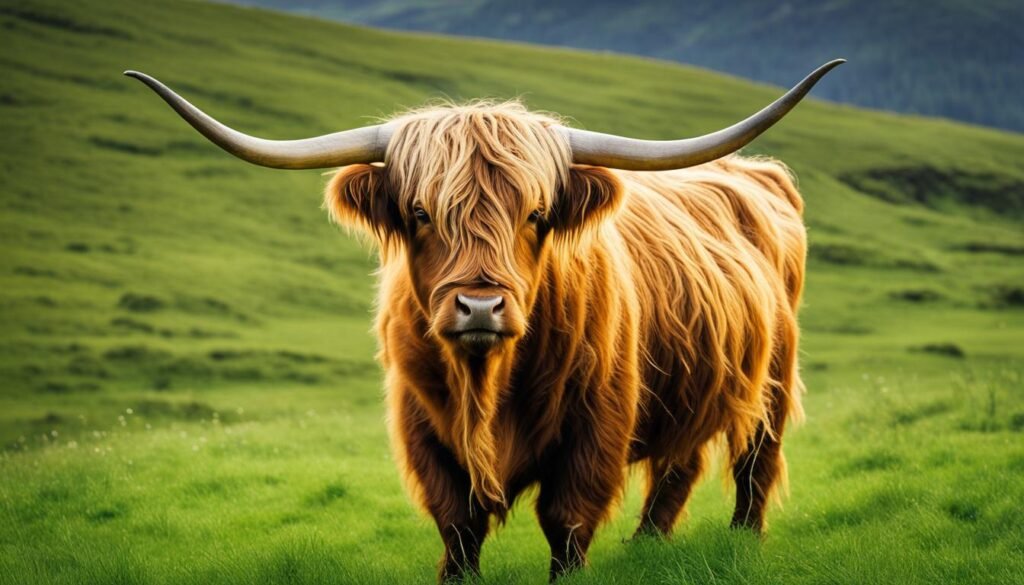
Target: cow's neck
{"x":476,"y":385}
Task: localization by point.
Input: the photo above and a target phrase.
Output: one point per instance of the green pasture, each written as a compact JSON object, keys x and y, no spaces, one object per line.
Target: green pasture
{"x":187,"y":385}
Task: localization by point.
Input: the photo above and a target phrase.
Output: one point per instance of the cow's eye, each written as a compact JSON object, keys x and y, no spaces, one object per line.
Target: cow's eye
{"x":421,"y":215}
{"x":535,"y":216}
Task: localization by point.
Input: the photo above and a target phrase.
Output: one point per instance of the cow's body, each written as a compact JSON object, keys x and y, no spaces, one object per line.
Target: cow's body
{"x":669,"y":325}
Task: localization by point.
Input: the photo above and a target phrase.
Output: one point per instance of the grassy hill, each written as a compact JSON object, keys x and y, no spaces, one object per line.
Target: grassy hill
{"x":951,"y":58}
{"x":187,"y":390}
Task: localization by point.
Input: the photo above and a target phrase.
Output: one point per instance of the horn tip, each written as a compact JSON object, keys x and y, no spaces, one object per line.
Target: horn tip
{"x":136,"y":74}
{"x":821,"y":71}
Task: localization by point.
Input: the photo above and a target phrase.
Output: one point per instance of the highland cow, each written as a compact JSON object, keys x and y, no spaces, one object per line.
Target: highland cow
{"x":550,"y":311}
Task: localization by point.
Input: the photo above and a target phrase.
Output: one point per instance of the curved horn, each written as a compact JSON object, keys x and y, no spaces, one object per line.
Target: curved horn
{"x":361,"y":145}
{"x":609,"y":150}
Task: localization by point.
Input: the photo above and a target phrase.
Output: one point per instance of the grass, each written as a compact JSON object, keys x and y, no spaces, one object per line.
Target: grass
{"x":187,"y":387}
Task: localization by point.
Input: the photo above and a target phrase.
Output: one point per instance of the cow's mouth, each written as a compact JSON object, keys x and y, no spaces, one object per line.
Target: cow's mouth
{"x":477,"y":341}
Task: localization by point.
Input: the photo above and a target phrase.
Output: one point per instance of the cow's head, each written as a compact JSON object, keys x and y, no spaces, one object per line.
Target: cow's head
{"x":473,"y":196}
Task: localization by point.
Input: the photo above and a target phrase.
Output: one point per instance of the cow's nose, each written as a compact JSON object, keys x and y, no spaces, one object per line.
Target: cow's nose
{"x":478,"y":313}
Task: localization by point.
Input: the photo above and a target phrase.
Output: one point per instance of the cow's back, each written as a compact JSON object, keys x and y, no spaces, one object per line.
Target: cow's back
{"x":718,"y":262}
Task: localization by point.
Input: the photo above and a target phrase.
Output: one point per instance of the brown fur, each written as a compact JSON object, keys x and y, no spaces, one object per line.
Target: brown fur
{"x":649,"y":313}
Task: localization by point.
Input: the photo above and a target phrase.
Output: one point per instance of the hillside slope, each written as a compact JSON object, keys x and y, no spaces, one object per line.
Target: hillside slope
{"x":120,"y":224}
{"x":952,"y":58}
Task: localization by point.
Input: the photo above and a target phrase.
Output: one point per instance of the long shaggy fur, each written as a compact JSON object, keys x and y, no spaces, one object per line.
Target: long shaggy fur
{"x":659,"y":310}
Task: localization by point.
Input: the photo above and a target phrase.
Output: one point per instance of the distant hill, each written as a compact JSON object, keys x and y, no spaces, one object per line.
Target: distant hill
{"x":952,"y":58}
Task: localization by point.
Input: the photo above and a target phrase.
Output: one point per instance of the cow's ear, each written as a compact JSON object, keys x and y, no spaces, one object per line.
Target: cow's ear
{"x":591,"y":194}
{"x":360,"y":195}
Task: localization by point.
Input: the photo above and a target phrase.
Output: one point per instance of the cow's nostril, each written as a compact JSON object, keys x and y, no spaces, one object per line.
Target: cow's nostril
{"x":462,"y":306}
{"x":499,"y":306}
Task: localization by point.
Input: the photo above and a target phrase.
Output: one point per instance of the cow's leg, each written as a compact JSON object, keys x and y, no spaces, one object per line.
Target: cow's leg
{"x":668,"y":488}
{"x":445,"y":491}
{"x":578,"y":486}
{"x":756,"y":472}
{"x":760,"y":466}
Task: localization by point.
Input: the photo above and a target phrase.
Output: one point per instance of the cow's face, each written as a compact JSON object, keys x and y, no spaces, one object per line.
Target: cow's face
{"x":474,"y":197}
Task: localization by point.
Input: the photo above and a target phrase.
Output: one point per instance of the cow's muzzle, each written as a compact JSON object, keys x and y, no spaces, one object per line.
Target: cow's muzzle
{"x":478,"y":322}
